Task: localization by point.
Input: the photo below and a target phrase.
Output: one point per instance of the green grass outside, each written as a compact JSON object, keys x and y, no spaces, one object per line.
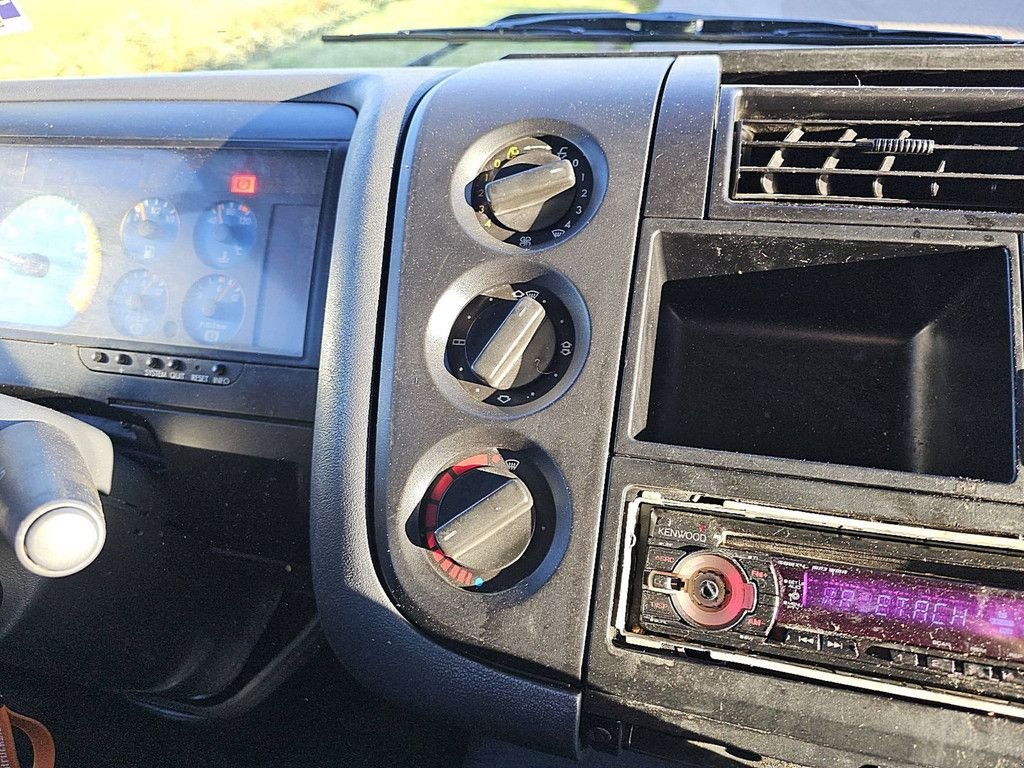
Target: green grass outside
{"x":102,"y":37}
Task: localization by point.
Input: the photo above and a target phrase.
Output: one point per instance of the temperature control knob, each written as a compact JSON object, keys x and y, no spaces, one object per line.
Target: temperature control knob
{"x":532,"y":191}
{"x":485,"y":521}
{"x":511,"y":345}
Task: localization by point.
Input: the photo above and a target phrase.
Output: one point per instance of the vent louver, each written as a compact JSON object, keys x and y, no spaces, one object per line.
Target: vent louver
{"x":974,"y":164}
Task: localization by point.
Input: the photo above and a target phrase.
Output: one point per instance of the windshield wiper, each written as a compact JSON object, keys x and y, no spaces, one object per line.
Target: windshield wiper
{"x":672,"y":27}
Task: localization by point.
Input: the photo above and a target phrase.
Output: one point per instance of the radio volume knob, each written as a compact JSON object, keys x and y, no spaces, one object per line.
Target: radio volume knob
{"x":485,"y":521}
{"x":715,"y":593}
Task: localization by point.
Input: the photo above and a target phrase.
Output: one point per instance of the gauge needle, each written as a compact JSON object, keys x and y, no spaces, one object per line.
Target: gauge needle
{"x":210,"y":307}
{"x":27,"y":264}
{"x":224,"y":291}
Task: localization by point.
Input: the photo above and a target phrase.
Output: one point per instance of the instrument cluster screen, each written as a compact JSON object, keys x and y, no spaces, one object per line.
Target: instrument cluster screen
{"x":202,"y":247}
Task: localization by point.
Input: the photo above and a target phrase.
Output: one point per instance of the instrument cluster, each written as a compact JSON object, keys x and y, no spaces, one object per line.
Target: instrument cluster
{"x":208,"y":247}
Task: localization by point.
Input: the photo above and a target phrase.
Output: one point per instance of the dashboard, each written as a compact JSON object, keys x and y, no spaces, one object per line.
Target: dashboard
{"x":199,"y":247}
{"x":674,"y":409}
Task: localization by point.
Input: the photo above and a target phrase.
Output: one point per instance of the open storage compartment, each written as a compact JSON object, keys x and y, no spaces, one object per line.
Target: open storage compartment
{"x":880,"y":355}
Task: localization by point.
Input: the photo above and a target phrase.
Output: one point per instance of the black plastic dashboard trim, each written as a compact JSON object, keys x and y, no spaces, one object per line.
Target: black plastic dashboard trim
{"x":441,"y":259}
{"x":380,"y":646}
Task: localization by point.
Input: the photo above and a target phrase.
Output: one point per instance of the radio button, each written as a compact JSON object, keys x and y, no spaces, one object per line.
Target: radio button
{"x":904,"y":658}
{"x":941,"y":664}
{"x":981,"y":671}
{"x":838,"y":646}
{"x":809,"y":641}
{"x":895,"y":656}
{"x":660,"y":559}
{"x":657,"y":606}
{"x":660,"y":581}
{"x":1008,"y":675}
{"x":760,"y":621}
{"x":760,"y":574}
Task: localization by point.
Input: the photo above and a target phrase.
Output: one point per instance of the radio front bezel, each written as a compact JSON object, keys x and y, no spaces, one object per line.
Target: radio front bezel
{"x":749,"y":650}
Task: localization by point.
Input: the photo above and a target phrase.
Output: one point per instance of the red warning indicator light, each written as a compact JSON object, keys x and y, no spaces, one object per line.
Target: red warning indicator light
{"x":244,"y":184}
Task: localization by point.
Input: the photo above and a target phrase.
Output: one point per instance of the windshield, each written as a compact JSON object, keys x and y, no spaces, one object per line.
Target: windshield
{"x":59,"y":38}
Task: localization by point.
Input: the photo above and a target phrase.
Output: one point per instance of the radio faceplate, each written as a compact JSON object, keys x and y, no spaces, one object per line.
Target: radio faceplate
{"x":923,"y":613}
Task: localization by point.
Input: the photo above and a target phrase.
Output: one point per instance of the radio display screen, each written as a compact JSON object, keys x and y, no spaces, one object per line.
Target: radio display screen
{"x":903,"y":609}
{"x":202,"y":247}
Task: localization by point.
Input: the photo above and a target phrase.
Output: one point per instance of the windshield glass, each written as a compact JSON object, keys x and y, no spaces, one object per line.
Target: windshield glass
{"x":58,"y":38}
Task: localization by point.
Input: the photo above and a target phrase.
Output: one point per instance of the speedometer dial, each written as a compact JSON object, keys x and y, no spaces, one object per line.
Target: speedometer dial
{"x":50,"y":263}
{"x":149,"y":229}
{"x":226,"y":234}
{"x":139,"y":303}
{"x":214,"y":309}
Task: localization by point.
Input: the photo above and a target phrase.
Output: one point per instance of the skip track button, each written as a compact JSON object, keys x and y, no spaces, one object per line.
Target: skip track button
{"x":838,"y":646}
{"x":809,"y":641}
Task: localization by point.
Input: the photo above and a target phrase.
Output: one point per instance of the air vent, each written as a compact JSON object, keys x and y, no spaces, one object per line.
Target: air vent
{"x":974,"y":164}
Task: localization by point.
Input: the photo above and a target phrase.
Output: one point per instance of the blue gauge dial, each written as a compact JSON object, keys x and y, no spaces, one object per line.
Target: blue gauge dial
{"x":226,"y":234}
{"x":214,"y":309}
{"x":149,"y":229}
{"x":50,"y":262}
{"x":139,"y":303}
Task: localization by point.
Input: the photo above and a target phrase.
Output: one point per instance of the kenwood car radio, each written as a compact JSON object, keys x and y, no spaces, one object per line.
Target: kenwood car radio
{"x":927,"y":614}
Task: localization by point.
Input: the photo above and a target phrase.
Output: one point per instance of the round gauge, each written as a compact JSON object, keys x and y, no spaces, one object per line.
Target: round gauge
{"x":214,"y":309}
{"x":50,"y":262}
{"x":226,"y":234}
{"x":149,"y":229}
{"x":139,"y":303}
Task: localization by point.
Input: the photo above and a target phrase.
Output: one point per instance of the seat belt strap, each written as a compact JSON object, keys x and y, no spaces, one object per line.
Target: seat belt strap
{"x":44,"y":754}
